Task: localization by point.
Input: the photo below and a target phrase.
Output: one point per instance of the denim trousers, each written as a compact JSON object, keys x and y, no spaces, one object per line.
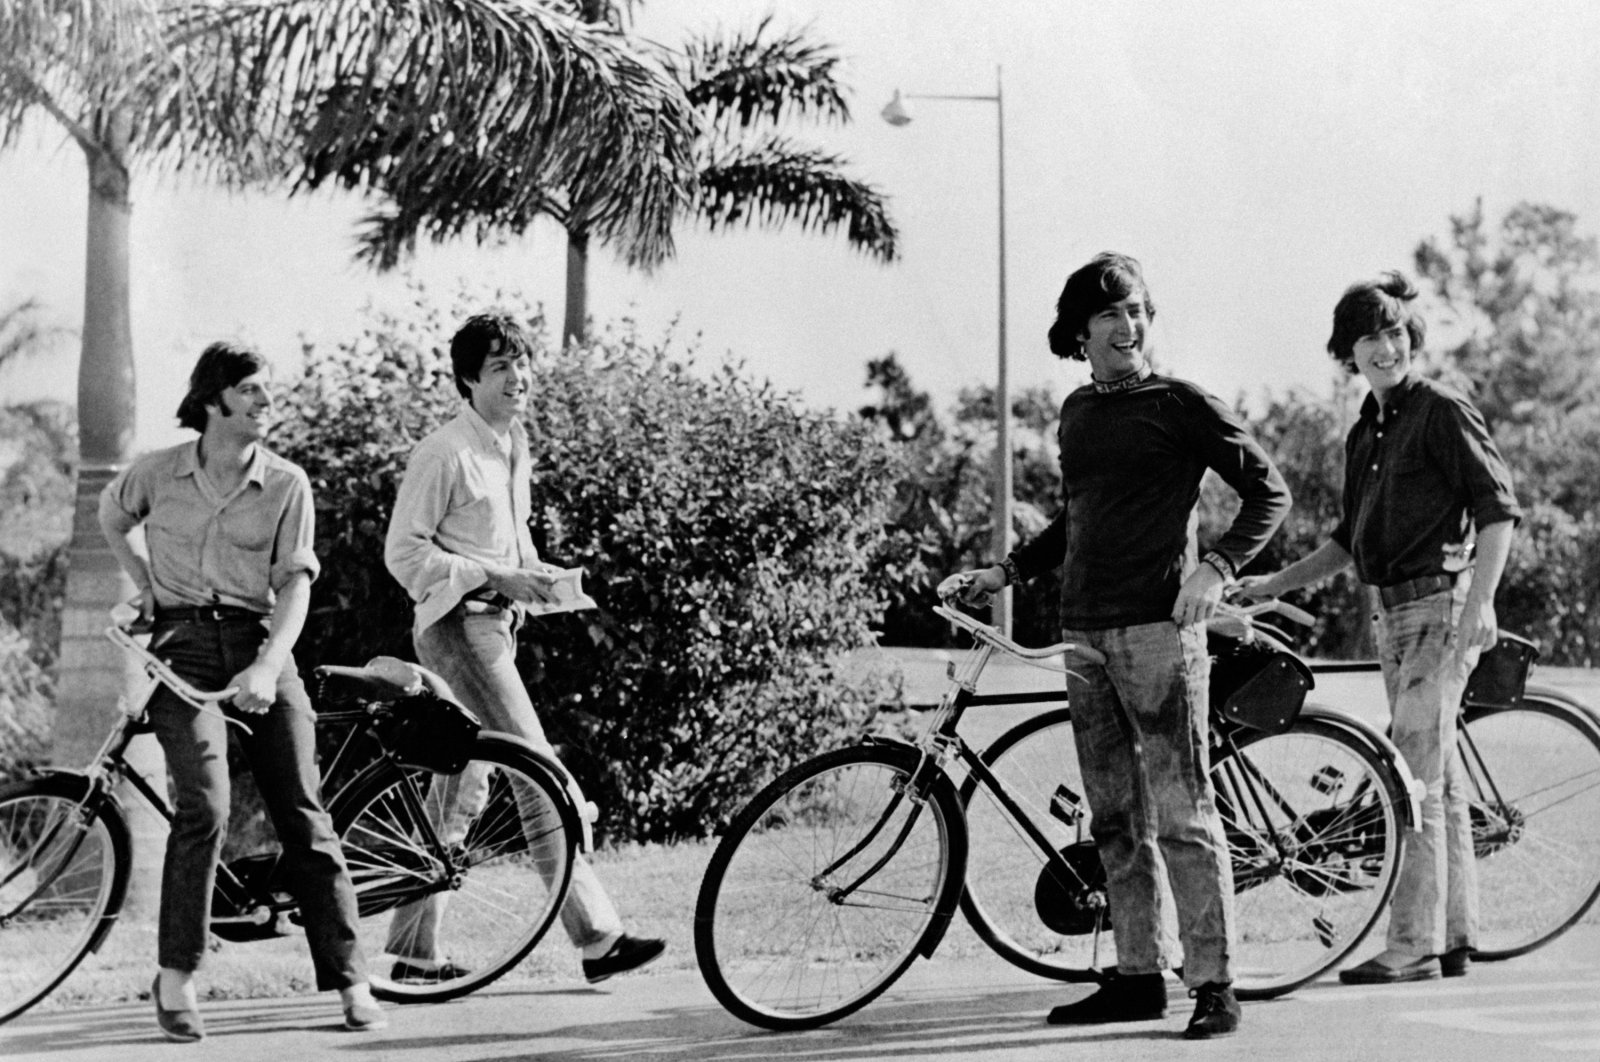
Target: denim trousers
{"x":281,"y":751}
{"x":475,"y":653}
{"x":1435,"y":905}
{"x":1142,"y":732}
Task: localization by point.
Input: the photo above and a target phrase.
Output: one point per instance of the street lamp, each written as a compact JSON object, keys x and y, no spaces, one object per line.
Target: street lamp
{"x":895,"y":114}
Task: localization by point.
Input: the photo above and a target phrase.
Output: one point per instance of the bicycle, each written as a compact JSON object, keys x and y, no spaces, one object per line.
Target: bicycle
{"x":838,"y":874}
{"x":441,"y":810}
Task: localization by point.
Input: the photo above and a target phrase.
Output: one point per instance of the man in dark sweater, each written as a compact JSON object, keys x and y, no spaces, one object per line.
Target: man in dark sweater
{"x":1134,"y":447}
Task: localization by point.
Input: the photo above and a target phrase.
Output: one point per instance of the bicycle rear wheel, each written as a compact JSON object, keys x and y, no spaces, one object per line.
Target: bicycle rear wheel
{"x":1049,"y":922}
{"x":1533,"y":785}
{"x":457,"y":877}
{"x":63,"y":876}
{"x":1314,"y":826}
{"x":825,"y":887}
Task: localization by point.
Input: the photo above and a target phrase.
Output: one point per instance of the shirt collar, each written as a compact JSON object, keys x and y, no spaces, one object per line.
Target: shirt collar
{"x":1397,"y":398}
{"x":1122,"y":383}
{"x":485,"y":434}
{"x":189,"y":463}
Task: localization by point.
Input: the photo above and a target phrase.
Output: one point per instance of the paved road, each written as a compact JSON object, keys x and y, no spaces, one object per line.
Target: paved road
{"x":1544,"y":1006}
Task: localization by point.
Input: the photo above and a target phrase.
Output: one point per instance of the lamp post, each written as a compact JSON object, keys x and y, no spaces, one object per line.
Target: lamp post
{"x":896,"y":114}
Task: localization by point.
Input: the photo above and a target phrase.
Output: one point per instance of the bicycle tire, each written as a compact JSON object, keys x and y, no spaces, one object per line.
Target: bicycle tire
{"x":1533,"y":788}
{"x":780,"y":950}
{"x":513,"y":860}
{"x":63,"y":880}
{"x":1297,"y":912}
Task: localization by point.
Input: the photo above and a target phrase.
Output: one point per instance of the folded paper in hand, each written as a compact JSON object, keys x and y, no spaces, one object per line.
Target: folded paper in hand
{"x":566,"y":588}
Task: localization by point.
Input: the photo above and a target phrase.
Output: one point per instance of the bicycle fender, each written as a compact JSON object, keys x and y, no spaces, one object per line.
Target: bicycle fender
{"x":583,"y":809}
{"x":1539,"y":691}
{"x":1380,"y":744}
{"x":944,"y":912}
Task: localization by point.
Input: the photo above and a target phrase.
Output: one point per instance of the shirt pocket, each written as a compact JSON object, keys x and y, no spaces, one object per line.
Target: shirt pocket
{"x":247,"y":529}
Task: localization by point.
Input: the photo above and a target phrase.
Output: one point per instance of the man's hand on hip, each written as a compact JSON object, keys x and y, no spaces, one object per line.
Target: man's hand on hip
{"x":1199,"y":596}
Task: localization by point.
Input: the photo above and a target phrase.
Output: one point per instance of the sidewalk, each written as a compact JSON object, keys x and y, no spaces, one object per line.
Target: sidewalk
{"x":1544,"y":1006}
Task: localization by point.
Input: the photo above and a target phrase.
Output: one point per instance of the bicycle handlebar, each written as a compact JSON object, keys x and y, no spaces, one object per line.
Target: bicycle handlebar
{"x":199,"y":700}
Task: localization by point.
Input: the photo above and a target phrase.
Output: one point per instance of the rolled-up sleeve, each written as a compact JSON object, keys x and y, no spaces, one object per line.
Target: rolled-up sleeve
{"x":1466,"y":452}
{"x":125,"y":501}
{"x":294,"y":548}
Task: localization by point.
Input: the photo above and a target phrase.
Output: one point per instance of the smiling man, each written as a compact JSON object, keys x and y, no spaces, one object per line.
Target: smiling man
{"x":459,"y":543}
{"x":1421,"y":473}
{"x":1134,"y":448}
{"x":225,"y":579}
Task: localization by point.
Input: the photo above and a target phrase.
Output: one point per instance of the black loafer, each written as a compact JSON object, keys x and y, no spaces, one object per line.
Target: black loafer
{"x":1216,"y":1012}
{"x":1455,"y":962}
{"x":417,"y":973}
{"x":1373,"y":972}
{"x":1136,"y":997}
{"x":628,"y":953}
{"x":179,"y":1026}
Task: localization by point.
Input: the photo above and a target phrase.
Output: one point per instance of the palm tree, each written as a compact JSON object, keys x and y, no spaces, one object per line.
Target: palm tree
{"x":298,"y":94}
{"x":743,"y":88}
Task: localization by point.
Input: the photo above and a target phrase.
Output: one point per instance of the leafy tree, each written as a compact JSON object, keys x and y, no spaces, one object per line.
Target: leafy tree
{"x":298,"y":93}
{"x":736,"y":545}
{"x":740,"y":170}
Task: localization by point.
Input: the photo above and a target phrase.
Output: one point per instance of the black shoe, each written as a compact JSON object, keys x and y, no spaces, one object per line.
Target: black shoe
{"x":179,"y":1026}
{"x":1136,"y":997}
{"x":1373,"y":972}
{"x":1455,"y":962}
{"x":421,"y":973}
{"x":1216,"y":1012}
{"x":628,"y":953}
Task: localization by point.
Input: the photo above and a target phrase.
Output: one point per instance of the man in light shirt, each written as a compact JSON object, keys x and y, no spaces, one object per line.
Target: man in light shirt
{"x":458,"y":542}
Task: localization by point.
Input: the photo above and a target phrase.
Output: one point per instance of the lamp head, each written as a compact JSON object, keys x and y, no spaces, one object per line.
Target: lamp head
{"x":895,"y":112}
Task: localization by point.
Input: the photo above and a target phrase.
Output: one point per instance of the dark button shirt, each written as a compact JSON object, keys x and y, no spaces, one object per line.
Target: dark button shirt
{"x":1417,"y":483}
{"x":1131,"y":466}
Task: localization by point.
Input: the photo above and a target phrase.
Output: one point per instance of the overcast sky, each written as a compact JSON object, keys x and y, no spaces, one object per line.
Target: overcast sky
{"x":1257,"y":155}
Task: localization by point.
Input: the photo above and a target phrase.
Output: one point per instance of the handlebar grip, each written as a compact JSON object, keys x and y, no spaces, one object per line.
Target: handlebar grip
{"x":1294,"y":614}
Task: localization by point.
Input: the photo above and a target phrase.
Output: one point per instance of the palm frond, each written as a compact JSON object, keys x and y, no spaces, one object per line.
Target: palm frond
{"x":447,"y":108}
{"x":740,"y":80}
{"x":774,"y":182}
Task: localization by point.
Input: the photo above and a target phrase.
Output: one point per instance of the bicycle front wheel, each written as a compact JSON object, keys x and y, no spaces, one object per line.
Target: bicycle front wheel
{"x":1314,"y":829}
{"x":63,"y":876}
{"x":1533,"y":789}
{"x":457,"y":877}
{"x":825,"y":887}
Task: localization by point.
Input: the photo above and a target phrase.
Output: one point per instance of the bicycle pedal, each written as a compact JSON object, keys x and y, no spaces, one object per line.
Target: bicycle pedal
{"x":1066,"y":805}
{"x":1324,"y":930}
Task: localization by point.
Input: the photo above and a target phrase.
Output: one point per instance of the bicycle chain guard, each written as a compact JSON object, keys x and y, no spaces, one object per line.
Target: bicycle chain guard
{"x":1079,"y":904}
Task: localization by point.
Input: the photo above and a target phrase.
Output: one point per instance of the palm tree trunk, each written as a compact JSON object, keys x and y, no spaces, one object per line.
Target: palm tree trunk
{"x":93,"y":674}
{"x":575,"y":321}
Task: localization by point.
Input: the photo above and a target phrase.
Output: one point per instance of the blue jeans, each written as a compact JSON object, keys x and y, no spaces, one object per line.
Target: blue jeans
{"x":1142,"y":731}
{"x":281,"y":749}
{"x":1435,"y":906}
{"x":475,"y":653}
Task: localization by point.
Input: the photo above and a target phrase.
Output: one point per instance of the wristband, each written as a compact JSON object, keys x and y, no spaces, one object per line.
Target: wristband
{"x":1009,"y":566}
{"x":1219,"y":564}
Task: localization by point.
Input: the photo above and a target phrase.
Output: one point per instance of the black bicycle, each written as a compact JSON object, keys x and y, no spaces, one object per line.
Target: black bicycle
{"x":838,"y":874}
{"x":463,"y":834}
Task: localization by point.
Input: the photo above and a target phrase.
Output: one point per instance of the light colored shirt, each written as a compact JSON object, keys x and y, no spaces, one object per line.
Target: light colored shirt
{"x":463,"y":505}
{"x":206,"y":548}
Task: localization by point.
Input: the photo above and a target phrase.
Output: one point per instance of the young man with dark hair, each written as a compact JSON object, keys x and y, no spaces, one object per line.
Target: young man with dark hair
{"x":1421,"y":472}
{"x":1134,"y":447}
{"x":228,"y":534}
{"x":459,"y":543}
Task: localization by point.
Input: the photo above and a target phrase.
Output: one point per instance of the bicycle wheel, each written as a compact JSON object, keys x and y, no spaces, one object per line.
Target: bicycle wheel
{"x":1313,"y":833}
{"x":1533,"y":783}
{"x":825,"y":887}
{"x":1314,"y":830}
{"x":63,"y":876}
{"x":457,"y":877}
{"x":1039,"y":919}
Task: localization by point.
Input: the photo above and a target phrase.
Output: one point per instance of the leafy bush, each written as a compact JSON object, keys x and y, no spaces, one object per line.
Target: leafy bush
{"x":735,"y":543}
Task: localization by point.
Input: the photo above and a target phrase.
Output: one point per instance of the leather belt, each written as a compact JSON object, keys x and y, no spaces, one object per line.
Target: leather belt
{"x":208,"y":614}
{"x":1414,"y":589}
{"x":489,"y":598}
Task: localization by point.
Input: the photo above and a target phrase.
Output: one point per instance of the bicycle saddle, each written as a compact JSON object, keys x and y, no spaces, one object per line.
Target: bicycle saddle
{"x":384,"y":678}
